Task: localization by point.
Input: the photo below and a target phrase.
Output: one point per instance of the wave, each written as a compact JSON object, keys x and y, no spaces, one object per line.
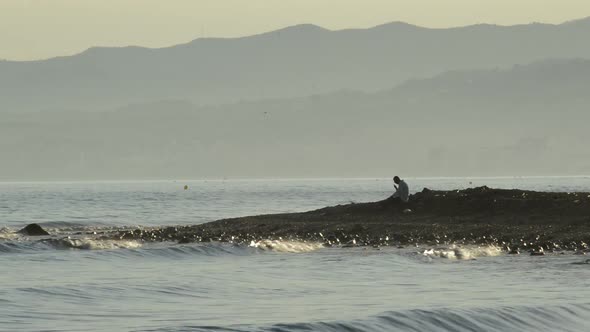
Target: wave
{"x":11,"y":247}
{"x":214,"y":249}
{"x":286,"y":246}
{"x":555,"y":318}
{"x":91,"y":244}
{"x":455,"y":252}
{"x":7,"y":233}
{"x":25,"y":244}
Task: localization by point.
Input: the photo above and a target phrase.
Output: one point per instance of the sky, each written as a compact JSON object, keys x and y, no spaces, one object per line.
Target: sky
{"x":38,"y":29}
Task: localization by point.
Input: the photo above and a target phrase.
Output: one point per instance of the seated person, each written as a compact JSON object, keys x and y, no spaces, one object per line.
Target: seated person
{"x":402,"y":192}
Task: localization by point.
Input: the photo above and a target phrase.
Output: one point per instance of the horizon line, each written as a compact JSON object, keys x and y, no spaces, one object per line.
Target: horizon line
{"x":255,"y":179}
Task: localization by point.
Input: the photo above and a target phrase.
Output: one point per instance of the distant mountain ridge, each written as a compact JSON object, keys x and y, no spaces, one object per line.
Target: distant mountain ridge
{"x":291,"y":62}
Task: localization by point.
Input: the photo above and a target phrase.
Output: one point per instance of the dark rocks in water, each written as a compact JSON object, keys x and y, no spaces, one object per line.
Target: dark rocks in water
{"x":538,"y":252}
{"x":512,"y":219}
{"x":185,"y":240}
{"x":33,"y":230}
{"x":513,"y":251}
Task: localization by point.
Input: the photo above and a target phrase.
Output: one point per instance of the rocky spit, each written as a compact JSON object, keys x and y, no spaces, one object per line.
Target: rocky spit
{"x":512,"y":219}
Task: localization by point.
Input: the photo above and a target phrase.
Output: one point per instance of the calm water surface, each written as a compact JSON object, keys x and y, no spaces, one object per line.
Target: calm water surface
{"x":129,"y":286}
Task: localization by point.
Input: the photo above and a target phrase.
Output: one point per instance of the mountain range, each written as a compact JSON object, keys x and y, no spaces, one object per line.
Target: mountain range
{"x":293,"y":62}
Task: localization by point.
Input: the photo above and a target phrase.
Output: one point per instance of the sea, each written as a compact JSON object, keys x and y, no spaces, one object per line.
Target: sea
{"x":82,"y":283}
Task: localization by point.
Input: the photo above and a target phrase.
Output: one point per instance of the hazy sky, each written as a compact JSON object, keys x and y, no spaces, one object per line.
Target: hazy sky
{"x":33,"y":29}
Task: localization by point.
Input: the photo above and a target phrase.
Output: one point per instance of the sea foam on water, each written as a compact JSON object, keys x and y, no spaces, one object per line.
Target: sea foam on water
{"x":455,"y":252}
{"x":93,"y":244}
{"x":286,"y":246}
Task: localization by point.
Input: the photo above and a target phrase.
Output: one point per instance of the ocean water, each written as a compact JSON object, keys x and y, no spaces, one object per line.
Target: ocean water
{"x":84,"y":284}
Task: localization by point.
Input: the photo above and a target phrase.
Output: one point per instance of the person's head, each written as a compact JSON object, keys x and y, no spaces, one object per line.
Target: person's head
{"x":396,"y":179}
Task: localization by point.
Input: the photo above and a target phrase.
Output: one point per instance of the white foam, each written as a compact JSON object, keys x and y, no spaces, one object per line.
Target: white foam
{"x":92,"y":244}
{"x":286,"y":246}
{"x":455,"y":252}
{"x":8,"y":234}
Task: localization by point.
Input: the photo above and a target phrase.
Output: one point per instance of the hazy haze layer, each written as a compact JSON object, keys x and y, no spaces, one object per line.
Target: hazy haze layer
{"x":528,"y":120}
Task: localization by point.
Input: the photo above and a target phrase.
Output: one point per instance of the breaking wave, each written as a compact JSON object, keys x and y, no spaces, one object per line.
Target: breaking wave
{"x":7,"y":233}
{"x":455,"y":252}
{"x":139,"y":248}
{"x":286,"y":246}
{"x":91,"y":244}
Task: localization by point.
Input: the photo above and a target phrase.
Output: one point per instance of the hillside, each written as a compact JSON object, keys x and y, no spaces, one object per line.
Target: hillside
{"x":296,"y":61}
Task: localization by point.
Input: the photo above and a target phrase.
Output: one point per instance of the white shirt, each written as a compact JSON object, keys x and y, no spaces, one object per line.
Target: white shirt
{"x":403,"y":192}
